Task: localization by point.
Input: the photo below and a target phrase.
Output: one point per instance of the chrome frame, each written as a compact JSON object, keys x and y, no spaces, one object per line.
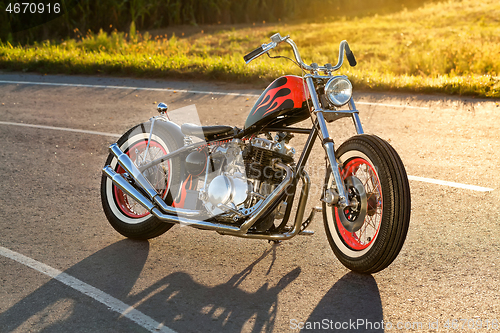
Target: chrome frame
{"x":153,"y":119}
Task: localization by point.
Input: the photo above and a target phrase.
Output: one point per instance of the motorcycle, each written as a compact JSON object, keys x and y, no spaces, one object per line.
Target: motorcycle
{"x":243,"y":181}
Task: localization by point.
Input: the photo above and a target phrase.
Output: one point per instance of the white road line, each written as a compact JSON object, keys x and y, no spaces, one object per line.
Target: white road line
{"x":112,"y":303}
{"x":129,"y":88}
{"x":395,"y":105}
{"x":61,"y":129}
{"x":182,"y":91}
{"x":451,"y":184}
{"x":416,"y":178}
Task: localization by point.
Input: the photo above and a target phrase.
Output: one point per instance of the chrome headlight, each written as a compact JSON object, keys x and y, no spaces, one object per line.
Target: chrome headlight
{"x":338,"y":90}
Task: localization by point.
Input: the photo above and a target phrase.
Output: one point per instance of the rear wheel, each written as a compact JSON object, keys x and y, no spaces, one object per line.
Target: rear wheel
{"x":126,"y":215}
{"x":368,"y":236}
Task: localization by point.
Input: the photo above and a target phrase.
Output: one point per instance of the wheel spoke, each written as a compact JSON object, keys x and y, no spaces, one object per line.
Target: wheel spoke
{"x":362,"y":170}
{"x":377,"y":185}
{"x":371,"y":222}
{"x":361,"y":232}
{"x":156,"y":176}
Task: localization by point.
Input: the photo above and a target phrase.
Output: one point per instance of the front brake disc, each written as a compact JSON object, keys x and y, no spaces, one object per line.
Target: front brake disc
{"x":353,"y":217}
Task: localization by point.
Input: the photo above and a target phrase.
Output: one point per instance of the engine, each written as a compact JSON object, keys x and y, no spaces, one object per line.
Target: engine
{"x":239,"y":175}
{"x":259,"y":156}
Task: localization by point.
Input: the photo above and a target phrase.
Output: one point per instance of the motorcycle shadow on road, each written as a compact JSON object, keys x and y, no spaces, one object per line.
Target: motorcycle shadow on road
{"x":352,"y":304}
{"x":177,"y":300}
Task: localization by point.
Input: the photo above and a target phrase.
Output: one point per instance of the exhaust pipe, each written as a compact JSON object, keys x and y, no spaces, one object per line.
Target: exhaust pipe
{"x":132,"y":170}
{"x":278,"y":191}
{"x":242,"y":230}
{"x":129,"y":166}
{"x":299,"y":215}
{"x":182,"y":216}
{"x":124,"y":185}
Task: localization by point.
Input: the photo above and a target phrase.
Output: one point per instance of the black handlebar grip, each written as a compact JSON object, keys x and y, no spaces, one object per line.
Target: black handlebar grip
{"x":350,"y":56}
{"x":254,"y":53}
{"x":351,"y":59}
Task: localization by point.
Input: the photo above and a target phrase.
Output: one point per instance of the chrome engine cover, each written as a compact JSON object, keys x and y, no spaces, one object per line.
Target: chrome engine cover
{"x":226,"y":190}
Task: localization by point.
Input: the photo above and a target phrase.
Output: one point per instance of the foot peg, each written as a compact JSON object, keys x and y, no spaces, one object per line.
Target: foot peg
{"x":306,"y":223}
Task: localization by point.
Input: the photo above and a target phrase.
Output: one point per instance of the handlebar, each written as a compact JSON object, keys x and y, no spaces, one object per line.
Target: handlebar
{"x":264,"y":48}
{"x":276,"y":39}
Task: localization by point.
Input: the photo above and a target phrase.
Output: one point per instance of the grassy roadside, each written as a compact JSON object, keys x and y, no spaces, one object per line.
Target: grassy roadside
{"x":451,"y":47}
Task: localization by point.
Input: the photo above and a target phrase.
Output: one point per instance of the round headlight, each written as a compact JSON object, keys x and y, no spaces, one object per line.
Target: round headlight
{"x":338,"y":90}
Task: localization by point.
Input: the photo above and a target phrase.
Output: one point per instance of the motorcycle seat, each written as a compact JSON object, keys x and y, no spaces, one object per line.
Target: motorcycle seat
{"x":208,"y":133}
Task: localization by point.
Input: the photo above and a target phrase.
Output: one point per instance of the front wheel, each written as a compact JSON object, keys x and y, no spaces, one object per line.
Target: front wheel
{"x":368,"y":235}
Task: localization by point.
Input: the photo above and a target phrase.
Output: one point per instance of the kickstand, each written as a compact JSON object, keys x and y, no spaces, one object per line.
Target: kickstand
{"x":308,"y":221}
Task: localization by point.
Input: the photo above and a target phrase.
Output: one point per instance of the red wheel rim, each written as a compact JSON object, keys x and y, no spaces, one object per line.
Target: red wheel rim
{"x":127,"y":205}
{"x":365,"y":236}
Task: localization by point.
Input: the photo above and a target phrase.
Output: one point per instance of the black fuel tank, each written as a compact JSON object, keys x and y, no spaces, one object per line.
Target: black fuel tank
{"x":284,"y":97}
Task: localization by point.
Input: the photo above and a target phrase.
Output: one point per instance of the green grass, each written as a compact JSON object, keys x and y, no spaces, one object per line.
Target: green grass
{"x":451,"y":47}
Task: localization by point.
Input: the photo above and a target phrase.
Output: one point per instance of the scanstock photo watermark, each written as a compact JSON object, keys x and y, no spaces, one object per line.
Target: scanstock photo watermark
{"x":365,"y":324}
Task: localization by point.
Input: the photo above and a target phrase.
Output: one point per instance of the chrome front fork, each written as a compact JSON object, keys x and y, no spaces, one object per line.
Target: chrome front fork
{"x":329,"y":147}
{"x":327,"y":141}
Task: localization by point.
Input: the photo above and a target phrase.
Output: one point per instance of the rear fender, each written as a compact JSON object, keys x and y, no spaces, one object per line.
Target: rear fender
{"x":174,"y":129}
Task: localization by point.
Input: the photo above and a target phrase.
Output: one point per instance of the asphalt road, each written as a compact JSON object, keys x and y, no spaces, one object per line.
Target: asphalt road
{"x":197,"y":281}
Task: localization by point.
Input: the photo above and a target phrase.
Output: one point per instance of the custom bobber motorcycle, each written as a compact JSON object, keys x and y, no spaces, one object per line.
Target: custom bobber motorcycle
{"x":243,"y":181}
